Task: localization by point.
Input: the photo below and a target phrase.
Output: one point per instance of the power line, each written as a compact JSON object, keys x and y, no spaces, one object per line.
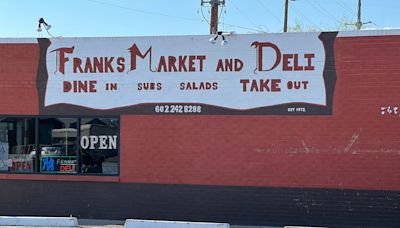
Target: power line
{"x":214,"y":16}
{"x":202,"y":14}
{"x":223,"y":18}
{"x":318,"y":7}
{"x":228,"y":24}
{"x":305,"y":17}
{"x":167,"y":15}
{"x":143,"y":11}
{"x":269,"y":11}
{"x":243,"y":14}
{"x":242,"y":27}
{"x":344,"y":6}
{"x":220,"y":14}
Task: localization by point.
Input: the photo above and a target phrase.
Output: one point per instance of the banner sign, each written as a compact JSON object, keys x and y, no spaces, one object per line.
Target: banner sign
{"x":21,"y":163}
{"x":4,"y":156}
{"x":58,"y":164}
{"x":252,"y":74}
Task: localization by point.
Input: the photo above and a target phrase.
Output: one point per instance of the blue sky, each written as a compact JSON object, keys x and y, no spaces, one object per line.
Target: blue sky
{"x":86,"y":18}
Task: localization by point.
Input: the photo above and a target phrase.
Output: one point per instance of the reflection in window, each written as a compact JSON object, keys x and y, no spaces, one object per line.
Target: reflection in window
{"x":57,"y":144}
{"x":17,"y":144}
{"x":99,"y":144}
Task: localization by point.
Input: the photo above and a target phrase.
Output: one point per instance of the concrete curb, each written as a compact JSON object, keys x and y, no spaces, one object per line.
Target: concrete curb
{"x":38,"y":221}
{"x":138,"y":223}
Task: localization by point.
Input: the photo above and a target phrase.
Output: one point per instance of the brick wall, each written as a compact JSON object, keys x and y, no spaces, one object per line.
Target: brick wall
{"x":340,"y":170}
{"x":18,"y":70}
{"x":355,"y":148}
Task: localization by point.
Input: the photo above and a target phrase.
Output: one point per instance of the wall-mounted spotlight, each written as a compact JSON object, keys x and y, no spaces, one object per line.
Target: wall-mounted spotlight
{"x":222,"y":34}
{"x":45,"y":25}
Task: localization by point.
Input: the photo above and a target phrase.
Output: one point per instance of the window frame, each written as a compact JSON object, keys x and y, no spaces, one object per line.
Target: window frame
{"x":36,"y":165}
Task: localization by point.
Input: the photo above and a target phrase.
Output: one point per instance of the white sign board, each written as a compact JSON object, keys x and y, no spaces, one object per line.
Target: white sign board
{"x":251,"y":72}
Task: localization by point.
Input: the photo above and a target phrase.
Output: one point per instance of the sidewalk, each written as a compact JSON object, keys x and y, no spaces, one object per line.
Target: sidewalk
{"x":93,"y":223}
{"x":99,"y":223}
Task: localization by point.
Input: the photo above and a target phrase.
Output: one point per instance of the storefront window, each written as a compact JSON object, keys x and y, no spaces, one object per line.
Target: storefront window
{"x":99,"y":145}
{"x":17,"y":144}
{"x":58,"y":145}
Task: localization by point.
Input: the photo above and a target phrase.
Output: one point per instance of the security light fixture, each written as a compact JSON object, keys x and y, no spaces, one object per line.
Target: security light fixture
{"x":223,"y":42}
{"x":213,"y":39}
{"x":45,"y":25}
{"x":222,"y":34}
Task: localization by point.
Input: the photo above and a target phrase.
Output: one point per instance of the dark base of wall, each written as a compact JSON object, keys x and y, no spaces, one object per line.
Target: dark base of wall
{"x":236,"y":205}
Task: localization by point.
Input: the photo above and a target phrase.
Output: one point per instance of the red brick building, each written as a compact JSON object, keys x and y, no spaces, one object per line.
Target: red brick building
{"x":336,"y":164}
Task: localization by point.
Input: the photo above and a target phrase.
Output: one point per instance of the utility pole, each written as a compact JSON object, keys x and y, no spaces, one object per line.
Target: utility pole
{"x":214,"y":13}
{"x":286,"y":16}
{"x":285,"y":23}
{"x":214,"y":17}
{"x":359,"y":22}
